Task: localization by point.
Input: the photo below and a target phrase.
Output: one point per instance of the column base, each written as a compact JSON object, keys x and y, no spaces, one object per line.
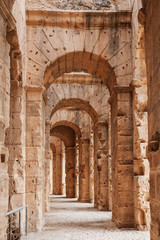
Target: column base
{"x":122,"y":224}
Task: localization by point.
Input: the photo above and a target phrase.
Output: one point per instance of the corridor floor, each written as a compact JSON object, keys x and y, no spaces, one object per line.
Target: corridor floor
{"x":71,"y":220}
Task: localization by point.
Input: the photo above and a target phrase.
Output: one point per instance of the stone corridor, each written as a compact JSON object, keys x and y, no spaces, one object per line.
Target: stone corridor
{"x":80,"y":117}
{"x":71,"y":220}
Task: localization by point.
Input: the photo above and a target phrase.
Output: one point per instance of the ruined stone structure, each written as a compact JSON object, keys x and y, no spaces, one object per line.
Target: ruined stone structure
{"x":79,"y":108}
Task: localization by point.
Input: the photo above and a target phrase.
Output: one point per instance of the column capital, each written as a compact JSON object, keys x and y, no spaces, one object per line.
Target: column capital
{"x":119,"y":89}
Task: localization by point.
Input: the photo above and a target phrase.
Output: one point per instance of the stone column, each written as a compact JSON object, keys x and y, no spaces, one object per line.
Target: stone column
{"x":77,"y":168}
{"x":47,"y":165}
{"x":84,"y":170}
{"x":91,"y":168}
{"x":96,"y":183}
{"x":35,"y":155}
{"x":122,"y":157}
{"x":109,"y":160}
{"x":102,"y":167}
{"x":63,"y":186}
{"x":54,"y":171}
{"x":70,"y":171}
{"x":141,"y":163}
{"x":57,"y":166}
{"x":15,"y":140}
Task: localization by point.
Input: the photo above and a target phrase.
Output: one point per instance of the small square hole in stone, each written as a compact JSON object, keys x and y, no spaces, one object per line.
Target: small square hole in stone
{"x":2,"y":158}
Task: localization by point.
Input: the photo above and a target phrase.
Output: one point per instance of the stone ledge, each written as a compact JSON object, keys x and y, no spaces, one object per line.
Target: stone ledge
{"x":83,"y":20}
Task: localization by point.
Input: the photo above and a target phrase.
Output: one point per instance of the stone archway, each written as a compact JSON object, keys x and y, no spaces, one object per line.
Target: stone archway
{"x":109,"y":58}
{"x":67,"y":135}
{"x":80,"y":62}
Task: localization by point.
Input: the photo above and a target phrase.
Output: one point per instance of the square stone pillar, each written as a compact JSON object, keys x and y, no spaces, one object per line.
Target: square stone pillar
{"x":141,"y":163}
{"x":122,"y":157}
{"x":91,"y":168}
{"x":102,"y":166}
{"x":70,"y":171}
{"x":47,"y":165}
{"x":35,"y":157}
{"x":57,"y":173}
{"x":15,"y":141}
{"x":96,"y":183}
{"x":77,"y":167}
{"x":84,"y":170}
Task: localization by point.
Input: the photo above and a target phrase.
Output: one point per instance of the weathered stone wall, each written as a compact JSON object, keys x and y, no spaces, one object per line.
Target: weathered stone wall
{"x":12,"y":108}
{"x":4,"y":123}
{"x":109,"y":5}
{"x":152,"y":51}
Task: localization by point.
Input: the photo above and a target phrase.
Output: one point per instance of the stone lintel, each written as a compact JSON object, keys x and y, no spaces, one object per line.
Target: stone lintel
{"x":119,"y":89}
{"x":7,"y":15}
{"x":35,"y":88}
{"x":80,"y":19}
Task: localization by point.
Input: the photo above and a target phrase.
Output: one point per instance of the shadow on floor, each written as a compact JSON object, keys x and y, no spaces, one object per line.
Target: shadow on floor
{"x":96,"y":225}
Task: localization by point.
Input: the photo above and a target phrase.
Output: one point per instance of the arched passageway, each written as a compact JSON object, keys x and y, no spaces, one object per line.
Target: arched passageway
{"x":79,"y":76}
{"x":67,"y":135}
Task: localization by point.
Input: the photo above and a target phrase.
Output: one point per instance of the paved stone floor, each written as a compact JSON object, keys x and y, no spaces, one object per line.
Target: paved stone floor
{"x":71,"y":220}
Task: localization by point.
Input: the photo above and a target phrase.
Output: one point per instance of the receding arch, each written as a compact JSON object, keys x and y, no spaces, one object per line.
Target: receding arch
{"x":73,"y":126}
{"x":65,"y":133}
{"x":80,"y":62}
{"x":68,"y":136}
{"x":77,"y":104}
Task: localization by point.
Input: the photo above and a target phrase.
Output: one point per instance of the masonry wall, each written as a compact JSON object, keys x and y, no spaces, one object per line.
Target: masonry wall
{"x":4,"y":123}
{"x":152,"y":51}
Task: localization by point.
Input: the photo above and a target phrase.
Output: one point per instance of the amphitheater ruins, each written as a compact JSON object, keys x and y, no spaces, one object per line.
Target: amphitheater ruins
{"x":80,"y":113}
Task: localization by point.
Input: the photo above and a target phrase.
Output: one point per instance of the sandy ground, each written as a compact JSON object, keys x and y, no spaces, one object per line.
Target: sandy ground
{"x":71,"y":220}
